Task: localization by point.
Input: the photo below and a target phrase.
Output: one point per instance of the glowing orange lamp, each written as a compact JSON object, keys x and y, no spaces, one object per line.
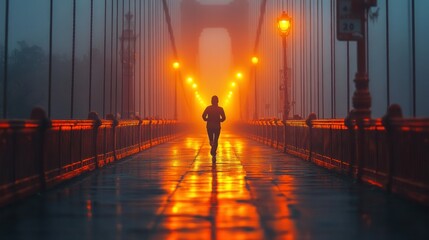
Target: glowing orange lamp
{"x":284,"y":24}
{"x":255,"y":60}
{"x":176,"y":65}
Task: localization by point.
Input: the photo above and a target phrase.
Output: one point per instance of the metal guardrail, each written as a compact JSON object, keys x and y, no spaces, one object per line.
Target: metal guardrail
{"x":38,"y":154}
{"x":395,"y":152}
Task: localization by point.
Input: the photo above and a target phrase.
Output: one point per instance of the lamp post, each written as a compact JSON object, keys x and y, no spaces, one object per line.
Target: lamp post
{"x":128,"y":40}
{"x":255,"y":61}
{"x":239,"y":76}
{"x":284,"y":25}
{"x":176,"y":66}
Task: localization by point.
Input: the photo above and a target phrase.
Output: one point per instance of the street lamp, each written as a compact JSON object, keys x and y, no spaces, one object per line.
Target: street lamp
{"x":284,"y":25}
{"x":239,"y":76}
{"x":176,"y":67}
{"x":190,"y":80}
{"x":255,"y":61}
{"x":128,"y":51}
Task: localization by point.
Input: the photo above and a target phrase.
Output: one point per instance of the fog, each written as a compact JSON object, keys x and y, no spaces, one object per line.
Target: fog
{"x":81,"y":71}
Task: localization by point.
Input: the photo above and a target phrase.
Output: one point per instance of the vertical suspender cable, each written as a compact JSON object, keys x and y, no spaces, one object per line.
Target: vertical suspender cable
{"x":387,"y":55}
{"x":262,"y":10}
{"x":311,"y":80}
{"x":73,"y":58}
{"x":322,"y":62}
{"x":153,"y":42}
{"x":6,"y":53}
{"x":156,"y":56}
{"x":294,"y":67}
{"x":150,"y":77}
{"x":134,"y":60}
{"x":162,"y":70}
{"x":116,"y":57}
{"x":413,"y":46}
{"x":111,"y":61}
{"x":104,"y":60}
{"x":307,"y":64}
{"x":304,"y":60}
{"x":121,"y":61}
{"x":159,"y":55}
{"x":144,"y":58}
{"x":332,"y":64}
{"x":301,"y":57}
{"x":367,"y":37}
{"x":334,"y":60}
{"x":273,"y":89}
{"x":140,"y":59}
{"x":318,"y":56}
{"x":90,"y":55}
{"x":348,"y":76}
{"x":155,"y":60}
{"x":159,"y":92}
{"x":50,"y":59}
{"x":275,"y":94}
{"x":260,"y":22}
{"x":127,"y":91}
{"x":170,"y":29}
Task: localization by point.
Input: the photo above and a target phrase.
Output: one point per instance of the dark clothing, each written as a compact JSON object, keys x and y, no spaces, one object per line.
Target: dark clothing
{"x":213,"y":138}
{"x":214,"y":115}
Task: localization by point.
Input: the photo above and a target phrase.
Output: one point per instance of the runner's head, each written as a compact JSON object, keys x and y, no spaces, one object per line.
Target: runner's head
{"x":215,"y":100}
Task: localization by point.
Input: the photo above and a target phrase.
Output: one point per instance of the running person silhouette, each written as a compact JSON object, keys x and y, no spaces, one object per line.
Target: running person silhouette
{"x":214,"y":115}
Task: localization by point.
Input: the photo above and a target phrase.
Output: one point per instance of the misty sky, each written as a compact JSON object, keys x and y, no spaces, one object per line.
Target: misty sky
{"x":215,"y":61}
{"x":214,"y":2}
{"x":29,"y":21}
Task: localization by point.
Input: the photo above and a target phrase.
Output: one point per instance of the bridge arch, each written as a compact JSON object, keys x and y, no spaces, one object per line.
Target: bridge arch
{"x":233,"y":17}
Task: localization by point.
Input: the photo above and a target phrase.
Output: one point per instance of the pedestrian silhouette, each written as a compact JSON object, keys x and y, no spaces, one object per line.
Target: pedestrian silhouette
{"x":214,"y":115}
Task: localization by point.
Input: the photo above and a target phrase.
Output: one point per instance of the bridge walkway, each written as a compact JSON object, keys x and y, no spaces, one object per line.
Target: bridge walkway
{"x":175,"y":191}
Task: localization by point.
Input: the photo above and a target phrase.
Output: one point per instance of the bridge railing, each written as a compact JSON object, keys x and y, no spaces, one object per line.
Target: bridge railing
{"x":38,"y":154}
{"x":395,"y":151}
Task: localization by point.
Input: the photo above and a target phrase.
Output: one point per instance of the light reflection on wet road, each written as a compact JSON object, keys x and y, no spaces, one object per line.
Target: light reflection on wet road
{"x":174,"y":191}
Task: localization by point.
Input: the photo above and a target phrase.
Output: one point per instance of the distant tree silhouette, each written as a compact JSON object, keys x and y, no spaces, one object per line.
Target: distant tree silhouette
{"x":28,"y":82}
{"x":27,"y":72}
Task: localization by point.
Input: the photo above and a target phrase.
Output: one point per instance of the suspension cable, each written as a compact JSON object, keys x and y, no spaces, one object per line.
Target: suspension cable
{"x":260,"y":22}
{"x":116,"y":57}
{"x":413,"y":59}
{"x":170,"y":29}
{"x":104,"y":60}
{"x":50,"y":59}
{"x":73,"y":58}
{"x":90,"y":54}
{"x":6,"y":53}
{"x":111,"y":61}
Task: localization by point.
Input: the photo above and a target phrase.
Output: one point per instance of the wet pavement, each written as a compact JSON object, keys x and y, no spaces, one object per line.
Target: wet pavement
{"x":174,"y":191}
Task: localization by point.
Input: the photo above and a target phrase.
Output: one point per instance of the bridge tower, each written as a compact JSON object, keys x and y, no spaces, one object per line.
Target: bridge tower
{"x":128,"y":52}
{"x":233,"y":17}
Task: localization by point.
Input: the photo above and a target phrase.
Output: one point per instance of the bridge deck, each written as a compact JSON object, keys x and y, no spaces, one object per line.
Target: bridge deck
{"x":174,"y":191}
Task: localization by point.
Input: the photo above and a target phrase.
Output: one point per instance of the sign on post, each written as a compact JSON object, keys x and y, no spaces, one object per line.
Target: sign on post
{"x":350,"y":22}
